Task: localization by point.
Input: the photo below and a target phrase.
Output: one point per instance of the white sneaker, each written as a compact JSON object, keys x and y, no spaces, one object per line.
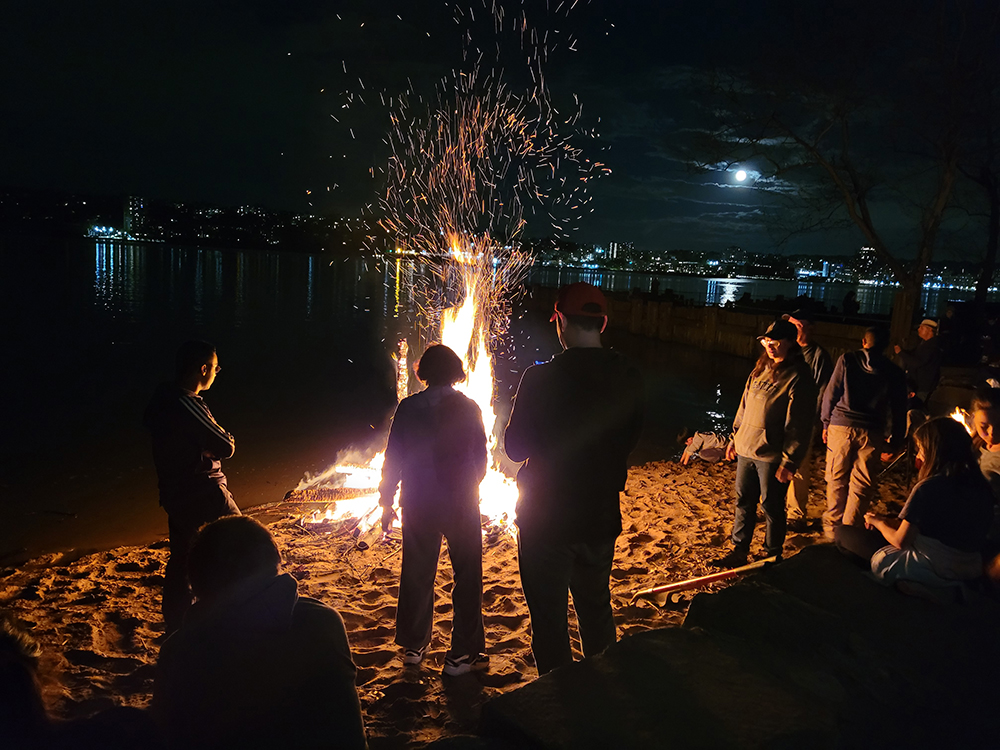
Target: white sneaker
{"x":414,"y":655}
{"x":465,"y":664}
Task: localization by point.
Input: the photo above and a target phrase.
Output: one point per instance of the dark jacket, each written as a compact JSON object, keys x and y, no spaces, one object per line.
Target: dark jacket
{"x":265,"y":668}
{"x":574,"y":422}
{"x":188,"y":444}
{"x":820,"y":364}
{"x":923,"y":364}
{"x":866,"y":390}
{"x":776,"y":416}
{"x":437,"y":449}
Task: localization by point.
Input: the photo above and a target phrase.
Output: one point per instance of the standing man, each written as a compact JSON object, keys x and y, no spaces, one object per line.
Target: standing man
{"x":923,"y":363}
{"x":866,"y":388}
{"x":574,"y":422}
{"x":188,"y":448}
{"x":820,"y":364}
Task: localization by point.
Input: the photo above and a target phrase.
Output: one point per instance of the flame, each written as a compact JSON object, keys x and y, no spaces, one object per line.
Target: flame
{"x":965,"y":419}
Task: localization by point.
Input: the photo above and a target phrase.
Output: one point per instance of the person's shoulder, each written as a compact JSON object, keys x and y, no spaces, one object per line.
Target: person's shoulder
{"x":313,"y":613}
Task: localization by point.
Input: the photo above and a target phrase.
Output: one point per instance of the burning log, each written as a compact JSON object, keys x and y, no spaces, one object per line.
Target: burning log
{"x":325,"y":494}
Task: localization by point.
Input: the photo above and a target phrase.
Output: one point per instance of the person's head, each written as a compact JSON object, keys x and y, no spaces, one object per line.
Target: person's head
{"x":196,"y":365}
{"x":580,"y":315}
{"x":780,"y":347}
{"x":804,"y":322}
{"x":228,"y":552}
{"x":22,"y":711}
{"x":927,"y":329}
{"x":439,"y":365}
{"x":944,"y":447}
{"x":876,"y":339}
{"x":986,"y":416}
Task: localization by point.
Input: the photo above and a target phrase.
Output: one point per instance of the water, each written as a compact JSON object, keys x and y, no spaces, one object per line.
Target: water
{"x":873,"y":300}
{"x":305,"y":348}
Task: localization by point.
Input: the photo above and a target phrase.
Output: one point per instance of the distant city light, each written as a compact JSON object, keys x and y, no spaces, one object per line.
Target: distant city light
{"x":741,"y":175}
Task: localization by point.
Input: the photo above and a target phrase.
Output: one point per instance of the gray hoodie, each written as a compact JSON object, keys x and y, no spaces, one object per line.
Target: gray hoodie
{"x":775,"y":419}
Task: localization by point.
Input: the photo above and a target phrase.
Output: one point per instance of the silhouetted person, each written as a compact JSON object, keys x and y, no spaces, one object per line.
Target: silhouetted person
{"x":574,"y":422}
{"x":254,"y":664}
{"x":437,"y":449}
{"x":923,"y":362}
{"x":188,"y":448}
{"x":851,"y":305}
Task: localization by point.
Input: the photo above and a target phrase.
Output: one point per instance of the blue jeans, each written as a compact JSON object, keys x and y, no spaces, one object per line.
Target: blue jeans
{"x":549,"y":573}
{"x":756,"y":481}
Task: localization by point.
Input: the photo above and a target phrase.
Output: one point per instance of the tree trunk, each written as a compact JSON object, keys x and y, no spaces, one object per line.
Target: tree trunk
{"x":985,"y":281}
{"x":904,"y":305}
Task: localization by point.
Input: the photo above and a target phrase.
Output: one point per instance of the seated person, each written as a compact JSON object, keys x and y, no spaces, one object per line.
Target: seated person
{"x":708,"y":446}
{"x":937,"y":540}
{"x":254,"y":664}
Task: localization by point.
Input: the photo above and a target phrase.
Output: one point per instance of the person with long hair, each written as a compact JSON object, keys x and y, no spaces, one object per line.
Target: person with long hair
{"x":771,"y":436}
{"x":936,"y":541}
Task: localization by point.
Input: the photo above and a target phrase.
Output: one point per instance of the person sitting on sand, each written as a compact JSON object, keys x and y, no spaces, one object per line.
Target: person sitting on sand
{"x":437,"y":450}
{"x":772,"y":430}
{"x":936,"y":541}
{"x":254,"y":664}
{"x":708,"y":446}
{"x":985,"y":411}
{"x":188,"y":445}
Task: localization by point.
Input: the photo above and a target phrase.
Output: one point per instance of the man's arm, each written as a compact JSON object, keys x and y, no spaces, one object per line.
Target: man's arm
{"x":799,"y":419}
{"x":392,"y":467}
{"x":208,"y":433}
{"x":834,"y":392}
{"x":520,"y":438}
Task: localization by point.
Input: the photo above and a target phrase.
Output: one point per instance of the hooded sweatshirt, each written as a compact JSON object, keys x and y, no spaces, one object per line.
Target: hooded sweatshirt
{"x":866,"y":389}
{"x":261,"y":667}
{"x":775,"y":420}
{"x":574,"y":421}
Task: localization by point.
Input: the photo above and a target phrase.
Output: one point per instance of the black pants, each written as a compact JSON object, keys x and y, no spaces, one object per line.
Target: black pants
{"x":185,"y":515}
{"x":549,"y":574}
{"x":423,"y":529}
{"x":859,"y":543}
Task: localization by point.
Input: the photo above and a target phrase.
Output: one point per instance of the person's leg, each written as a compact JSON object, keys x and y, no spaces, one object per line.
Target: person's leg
{"x":465,"y":549}
{"x":176,"y":591}
{"x":545,"y":575}
{"x":867,"y":465}
{"x":415,"y":609}
{"x":591,"y":590}
{"x":772,"y":493}
{"x":747,"y":495}
{"x":859,"y":543}
{"x":838,"y":476}
{"x":798,"y":489}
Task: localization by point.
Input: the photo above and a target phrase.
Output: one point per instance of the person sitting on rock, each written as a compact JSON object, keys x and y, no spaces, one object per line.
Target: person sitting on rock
{"x":254,"y":664}
{"x":937,"y":540}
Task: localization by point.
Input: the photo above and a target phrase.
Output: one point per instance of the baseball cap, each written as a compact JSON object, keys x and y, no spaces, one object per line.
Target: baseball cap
{"x":780,"y":329}
{"x":580,"y":298}
{"x":800,"y":314}
{"x":929,"y":322}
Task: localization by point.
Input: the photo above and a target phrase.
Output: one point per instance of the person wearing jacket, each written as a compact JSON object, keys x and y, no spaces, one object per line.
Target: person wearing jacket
{"x":866,"y":393}
{"x":437,"y":452}
{"x":771,"y":437}
{"x":923,"y":362}
{"x":574,"y":422}
{"x":188,"y":448}
{"x":254,"y":665}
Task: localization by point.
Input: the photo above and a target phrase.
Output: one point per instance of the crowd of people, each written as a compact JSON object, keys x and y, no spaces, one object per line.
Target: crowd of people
{"x":243,"y":654}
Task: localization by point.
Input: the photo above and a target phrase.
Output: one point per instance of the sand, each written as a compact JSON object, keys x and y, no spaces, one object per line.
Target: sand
{"x":97,"y":615}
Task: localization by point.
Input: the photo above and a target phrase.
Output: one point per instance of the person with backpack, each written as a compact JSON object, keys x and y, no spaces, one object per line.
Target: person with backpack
{"x":437,"y":453}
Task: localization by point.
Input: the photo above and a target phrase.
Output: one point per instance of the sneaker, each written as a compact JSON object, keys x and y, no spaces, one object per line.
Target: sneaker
{"x":466,"y":663}
{"x":734,"y":559}
{"x":414,"y":655}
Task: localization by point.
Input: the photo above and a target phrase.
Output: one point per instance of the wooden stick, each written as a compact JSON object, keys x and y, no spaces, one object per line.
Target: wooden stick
{"x":697,"y":583}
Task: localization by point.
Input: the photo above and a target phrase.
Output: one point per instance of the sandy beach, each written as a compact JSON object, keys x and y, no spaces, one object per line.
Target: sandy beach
{"x":97,"y":615}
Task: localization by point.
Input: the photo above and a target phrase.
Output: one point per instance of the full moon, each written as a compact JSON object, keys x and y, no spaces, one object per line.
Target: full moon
{"x":741,"y":175}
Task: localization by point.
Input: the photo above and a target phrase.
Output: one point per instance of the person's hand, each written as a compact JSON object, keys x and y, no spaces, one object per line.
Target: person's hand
{"x":388,"y":516}
{"x":888,"y":458}
{"x":784,"y":475}
{"x":825,"y":430}
{"x":685,"y":457}
{"x":870,"y":519}
{"x":897,"y":348}
{"x":730,"y":451}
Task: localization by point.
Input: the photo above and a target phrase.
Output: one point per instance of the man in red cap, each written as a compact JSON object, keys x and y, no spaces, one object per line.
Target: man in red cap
{"x":574,"y":422}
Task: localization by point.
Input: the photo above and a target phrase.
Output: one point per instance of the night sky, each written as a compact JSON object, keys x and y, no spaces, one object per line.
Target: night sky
{"x":234,"y":101}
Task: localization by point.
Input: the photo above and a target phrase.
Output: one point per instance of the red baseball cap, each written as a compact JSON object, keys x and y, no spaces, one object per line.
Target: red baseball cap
{"x":581,"y":298}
